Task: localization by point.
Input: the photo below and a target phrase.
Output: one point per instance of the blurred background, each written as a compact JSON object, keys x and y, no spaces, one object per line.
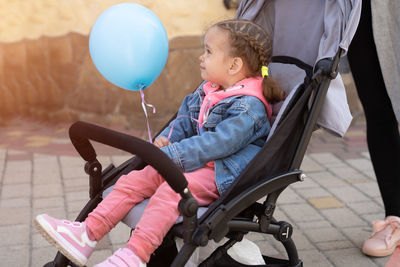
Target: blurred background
{"x":46,"y":72}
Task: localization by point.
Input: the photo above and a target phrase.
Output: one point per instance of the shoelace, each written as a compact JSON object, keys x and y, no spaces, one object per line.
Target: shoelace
{"x":380,"y":225}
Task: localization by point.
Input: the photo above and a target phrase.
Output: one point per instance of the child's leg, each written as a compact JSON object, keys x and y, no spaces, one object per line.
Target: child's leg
{"x":162,"y":212}
{"x":129,"y":190}
{"x":76,"y":240}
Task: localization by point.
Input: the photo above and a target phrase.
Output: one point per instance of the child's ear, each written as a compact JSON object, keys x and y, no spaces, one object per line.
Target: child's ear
{"x":236,"y":65}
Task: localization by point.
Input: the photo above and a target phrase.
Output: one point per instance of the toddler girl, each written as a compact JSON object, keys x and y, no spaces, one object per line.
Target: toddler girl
{"x":218,"y":130}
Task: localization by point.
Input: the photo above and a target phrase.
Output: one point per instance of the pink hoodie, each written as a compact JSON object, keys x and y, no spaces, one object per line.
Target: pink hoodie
{"x":249,"y":86}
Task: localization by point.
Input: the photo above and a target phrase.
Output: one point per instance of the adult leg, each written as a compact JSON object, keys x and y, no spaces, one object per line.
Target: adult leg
{"x":382,"y":127}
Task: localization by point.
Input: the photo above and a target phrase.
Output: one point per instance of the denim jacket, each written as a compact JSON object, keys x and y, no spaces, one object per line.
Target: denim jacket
{"x":236,"y":129}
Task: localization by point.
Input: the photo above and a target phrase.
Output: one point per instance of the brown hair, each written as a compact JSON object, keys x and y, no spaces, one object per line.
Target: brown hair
{"x":250,"y":42}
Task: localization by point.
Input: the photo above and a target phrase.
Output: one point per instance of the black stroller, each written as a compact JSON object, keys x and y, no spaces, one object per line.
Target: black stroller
{"x":309,"y":39}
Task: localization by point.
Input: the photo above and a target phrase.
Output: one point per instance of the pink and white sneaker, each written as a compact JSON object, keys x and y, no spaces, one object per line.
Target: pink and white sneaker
{"x":123,"y":257}
{"x":70,"y":238}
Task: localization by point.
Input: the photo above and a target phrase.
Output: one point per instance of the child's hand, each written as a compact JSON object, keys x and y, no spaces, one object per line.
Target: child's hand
{"x":161,"y":142}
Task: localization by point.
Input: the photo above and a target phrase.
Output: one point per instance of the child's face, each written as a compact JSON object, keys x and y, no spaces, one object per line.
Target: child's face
{"x":216,"y":61}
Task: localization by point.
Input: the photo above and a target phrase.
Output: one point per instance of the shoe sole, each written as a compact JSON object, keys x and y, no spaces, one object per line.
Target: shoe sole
{"x":50,"y":235}
{"x":381,"y":253}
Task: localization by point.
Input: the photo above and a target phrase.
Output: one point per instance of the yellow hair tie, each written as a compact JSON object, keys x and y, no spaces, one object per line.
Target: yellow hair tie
{"x":264,"y":71}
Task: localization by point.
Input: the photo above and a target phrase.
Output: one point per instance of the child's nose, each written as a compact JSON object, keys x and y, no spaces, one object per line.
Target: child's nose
{"x":201,"y":57}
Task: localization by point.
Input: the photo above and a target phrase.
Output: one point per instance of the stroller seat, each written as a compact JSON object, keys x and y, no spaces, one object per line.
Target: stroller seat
{"x":133,"y":217}
{"x":309,"y":39}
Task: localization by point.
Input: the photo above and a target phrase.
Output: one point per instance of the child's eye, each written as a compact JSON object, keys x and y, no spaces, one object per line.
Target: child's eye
{"x":208,"y":51}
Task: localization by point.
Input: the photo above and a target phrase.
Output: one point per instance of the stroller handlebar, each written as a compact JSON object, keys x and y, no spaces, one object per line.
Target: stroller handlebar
{"x":81,"y":132}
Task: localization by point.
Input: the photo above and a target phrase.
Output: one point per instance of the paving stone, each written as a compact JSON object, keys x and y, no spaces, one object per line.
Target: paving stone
{"x":99,"y":256}
{"x":48,"y":202}
{"x":378,"y":200}
{"x":38,"y":241}
{"x":313,"y":225}
{"x":15,"y":202}
{"x":266,"y":248}
{"x":280,"y":215}
{"x":302,"y":242}
{"x":76,"y":206}
{"x":365,"y":207}
{"x":370,"y":174}
{"x":16,"y":191}
{"x":104,"y":160}
{"x":327,"y":179}
{"x":325,"y":158}
{"x":343,"y":217}
{"x":42,"y":159}
{"x":346,"y":172}
{"x":120,"y":234}
{"x":324,"y":235}
{"x":255,"y":237}
{"x":72,"y":167}
{"x":360,"y":164}
{"x":15,"y":215}
{"x":313,"y":192}
{"x":358,"y":234}
{"x":72,"y":184}
{"x":374,"y":216}
{"x":325,"y":203}
{"x":314,"y":258}
{"x":46,"y":169}
{"x":366,"y":155}
{"x":77,"y":195}
{"x":382,"y":261}
{"x":349,"y":257}
{"x":348,"y":194}
{"x":118,"y":160}
{"x":310,"y":165}
{"x":104,"y":243}
{"x":307,"y":183}
{"x":51,"y":175}
{"x":371,"y":189}
{"x":333,"y":245}
{"x":14,"y":235}
{"x":3,"y":153}
{"x":47,"y":190}
{"x":73,"y":172}
{"x":289,"y":196}
{"x":43,"y":255}
{"x":358,"y":181}
{"x":301,"y":212}
{"x":15,"y":256}
{"x":17,"y":172}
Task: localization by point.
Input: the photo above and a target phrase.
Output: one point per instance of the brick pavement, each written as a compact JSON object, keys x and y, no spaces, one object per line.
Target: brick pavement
{"x":331,"y":210}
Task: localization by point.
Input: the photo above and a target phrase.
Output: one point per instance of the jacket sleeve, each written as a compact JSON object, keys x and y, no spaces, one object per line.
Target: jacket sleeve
{"x":181,"y":126}
{"x":230,"y":135}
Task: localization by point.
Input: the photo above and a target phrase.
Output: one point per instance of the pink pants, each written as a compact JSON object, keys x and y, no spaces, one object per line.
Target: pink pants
{"x":161,"y":212}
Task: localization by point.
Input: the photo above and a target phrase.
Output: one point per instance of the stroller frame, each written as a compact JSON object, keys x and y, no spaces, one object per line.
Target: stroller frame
{"x":222,"y":220}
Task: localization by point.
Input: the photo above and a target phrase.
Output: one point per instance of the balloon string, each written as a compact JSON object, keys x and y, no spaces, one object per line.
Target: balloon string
{"x":144,"y":104}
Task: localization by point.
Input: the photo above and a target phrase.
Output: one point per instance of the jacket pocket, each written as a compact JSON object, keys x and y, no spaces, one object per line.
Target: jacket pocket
{"x":214,"y":117}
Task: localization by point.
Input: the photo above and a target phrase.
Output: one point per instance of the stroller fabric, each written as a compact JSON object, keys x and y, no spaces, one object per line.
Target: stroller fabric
{"x":325,"y":26}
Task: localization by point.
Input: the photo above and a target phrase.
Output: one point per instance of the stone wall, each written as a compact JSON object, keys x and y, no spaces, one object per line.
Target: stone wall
{"x":54,"y":79}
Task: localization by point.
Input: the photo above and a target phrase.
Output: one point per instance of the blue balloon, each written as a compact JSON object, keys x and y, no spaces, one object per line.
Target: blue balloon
{"x":129,"y":46}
